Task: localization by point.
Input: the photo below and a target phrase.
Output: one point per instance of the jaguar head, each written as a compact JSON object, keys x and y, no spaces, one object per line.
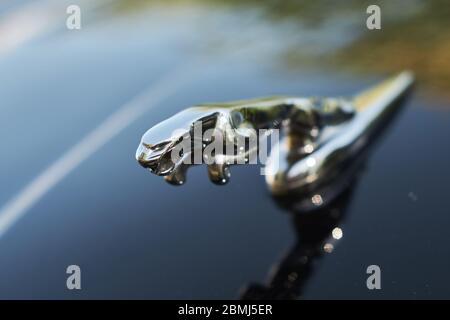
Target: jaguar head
{"x":156,"y":150}
{"x":166,"y":146}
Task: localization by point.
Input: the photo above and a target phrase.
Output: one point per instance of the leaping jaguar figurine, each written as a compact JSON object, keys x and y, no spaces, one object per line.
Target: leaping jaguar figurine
{"x":319,"y":135}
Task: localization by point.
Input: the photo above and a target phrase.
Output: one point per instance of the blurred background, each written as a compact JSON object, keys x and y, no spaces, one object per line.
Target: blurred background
{"x":74,"y":104}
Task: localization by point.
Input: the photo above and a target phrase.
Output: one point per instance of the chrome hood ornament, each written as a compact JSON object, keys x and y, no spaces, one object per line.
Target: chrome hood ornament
{"x":319,"y":136}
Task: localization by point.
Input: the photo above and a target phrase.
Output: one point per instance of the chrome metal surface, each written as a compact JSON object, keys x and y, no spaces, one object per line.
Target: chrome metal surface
{"x":319,"y":135}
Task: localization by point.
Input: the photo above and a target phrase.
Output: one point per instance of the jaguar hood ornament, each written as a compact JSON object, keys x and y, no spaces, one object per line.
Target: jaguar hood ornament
{"x":319,"y":136}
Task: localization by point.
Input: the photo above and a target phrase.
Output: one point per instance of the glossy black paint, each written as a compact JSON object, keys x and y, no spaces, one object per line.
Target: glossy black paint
{"x":135,"y":236}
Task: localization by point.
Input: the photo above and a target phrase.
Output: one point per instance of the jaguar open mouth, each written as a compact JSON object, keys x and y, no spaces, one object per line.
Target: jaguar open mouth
{"x":158,"y":160}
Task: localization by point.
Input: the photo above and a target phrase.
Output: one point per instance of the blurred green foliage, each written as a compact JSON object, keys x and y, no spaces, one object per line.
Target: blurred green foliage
{"x":415,"y":33}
